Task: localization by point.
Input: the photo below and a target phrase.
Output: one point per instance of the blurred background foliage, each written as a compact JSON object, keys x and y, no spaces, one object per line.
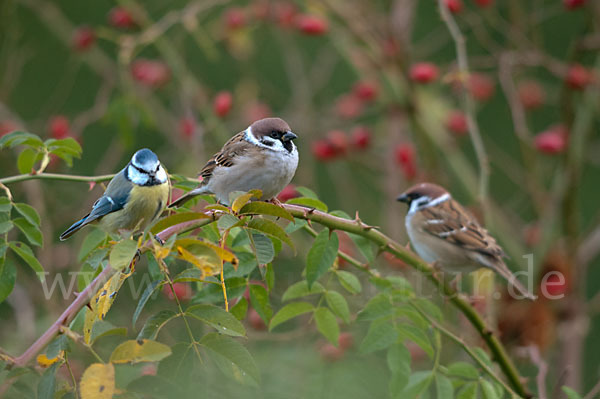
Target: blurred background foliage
{"x":372,"y":90}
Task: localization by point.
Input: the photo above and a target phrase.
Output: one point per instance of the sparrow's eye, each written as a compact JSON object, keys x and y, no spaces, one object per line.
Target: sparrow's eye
{"x":274,"y":134}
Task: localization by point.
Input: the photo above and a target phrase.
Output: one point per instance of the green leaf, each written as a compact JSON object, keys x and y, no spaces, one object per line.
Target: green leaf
{"x":265,"y":252}
{"x":270,"y":276}
{"x":430,"y":308}
{"x":68,"y":145}
{"x":150,"y":289}
{"x":217,"y":318}
{"x":417,"y":385}
{"x":8,"y":277}
{"x":265,"y":208}
{"x":47,"y":385}
{"x":227,"y":221}
{"x":307,"y":192}
{"x":233,"y":351}
{"x":26,"y":160}
{"x":309,"y":203}
{"x":155,"y":323}
{"x":443,"y":387}
{"x":297,"y":225}
{"x":321,"y":255}
{"x":139,"y":350}
{"x":28,"y":212}
{"x":338,"y":305}
{"x":271,"y":229}
{"x":349,"y":281}
{"x":103,"y":328}
{"x":122,"y":254}
{"x":468,"y":391}
{"x":327,"y":325}
{"x":27,"y":255}
{"x":377,"y":307}
{"x":464,"y":370}
{"x":240,"y":309}
{"x":5,"y":227}
{"x":300,"y":289}
{"x":31,"y":232}
{"x":16,"y":138}
{"x":260,"y":302}
{"x":398,"y":359}
{"x":483,"y":356}
{"x":489,"y":392}
{"x":571,"y":393}
{"x":92,"y":241}
{"x":189,"y":275}
{"x":381,"y":334}
{"x":5,"y":205}
{"x":290,"y":311}
{"x":416,"y":335}
{"x":57,"y":345}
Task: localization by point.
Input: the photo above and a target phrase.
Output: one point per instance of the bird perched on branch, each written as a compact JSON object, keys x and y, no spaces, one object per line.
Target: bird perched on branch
{"x":261,"y":157}
{"x":133,"y":199}
{"x":443,"y":232}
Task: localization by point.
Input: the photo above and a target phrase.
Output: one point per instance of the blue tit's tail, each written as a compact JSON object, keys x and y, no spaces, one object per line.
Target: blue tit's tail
{"x":74,"y":228}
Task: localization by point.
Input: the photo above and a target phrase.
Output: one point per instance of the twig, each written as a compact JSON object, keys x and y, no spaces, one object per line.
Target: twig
{"x":55,"y":176}
{"x":540,"y":379}
{"x":468,"y":102}
{"x":593,"y":392}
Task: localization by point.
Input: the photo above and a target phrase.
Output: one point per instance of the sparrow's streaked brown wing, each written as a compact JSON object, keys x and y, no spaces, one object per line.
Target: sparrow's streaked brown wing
{"x":451,"y":222}
{"x":226,"y":157}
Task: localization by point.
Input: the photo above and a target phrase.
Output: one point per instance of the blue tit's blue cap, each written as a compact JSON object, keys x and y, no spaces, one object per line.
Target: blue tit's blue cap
{"x":145,"y":159}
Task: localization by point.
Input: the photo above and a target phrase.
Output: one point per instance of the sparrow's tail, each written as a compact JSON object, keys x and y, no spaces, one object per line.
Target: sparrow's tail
{"x":74,"y":228}
{"x":185,"y":198}
{"x":503,"y":271}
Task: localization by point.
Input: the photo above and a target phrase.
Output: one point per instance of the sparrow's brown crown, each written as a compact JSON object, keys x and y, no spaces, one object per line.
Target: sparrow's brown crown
{"x":273,"y":127}
{"x":430,"y":190}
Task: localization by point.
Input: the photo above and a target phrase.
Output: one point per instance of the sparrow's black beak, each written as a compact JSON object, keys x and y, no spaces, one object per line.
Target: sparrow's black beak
{"x":288,"y":136}
{"x":403,"y":198}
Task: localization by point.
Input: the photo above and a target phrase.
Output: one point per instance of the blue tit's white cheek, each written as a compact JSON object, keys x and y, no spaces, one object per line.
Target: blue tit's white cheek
{"x":161,"y":175}
{"x":137,"y":177}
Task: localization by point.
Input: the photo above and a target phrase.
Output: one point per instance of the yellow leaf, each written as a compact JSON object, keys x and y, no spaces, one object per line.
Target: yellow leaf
{"x":141,"y":350}
{"x":88,"y":324}
{"x":222,"y":253}
{"x":98,"y":382}
{"x":43,"y":360}
{"x":241,"y":201}
{"x":104,"y":299}
{"x":207,"y":264}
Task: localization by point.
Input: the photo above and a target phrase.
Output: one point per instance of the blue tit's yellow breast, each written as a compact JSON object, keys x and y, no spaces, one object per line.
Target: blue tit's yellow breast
{"x":144,"y":205}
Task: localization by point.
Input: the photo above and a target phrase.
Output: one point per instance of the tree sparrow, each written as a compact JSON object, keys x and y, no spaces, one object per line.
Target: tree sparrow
{"x":443,"y":232}
{"x":261,"y":157}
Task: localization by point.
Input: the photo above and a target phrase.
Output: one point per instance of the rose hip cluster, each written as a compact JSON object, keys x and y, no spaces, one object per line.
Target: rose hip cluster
{"x":283,"y":14}
{"x":337,"y":143}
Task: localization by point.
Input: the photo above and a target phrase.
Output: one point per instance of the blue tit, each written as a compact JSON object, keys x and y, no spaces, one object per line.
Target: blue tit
{"x":133,"y":199}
